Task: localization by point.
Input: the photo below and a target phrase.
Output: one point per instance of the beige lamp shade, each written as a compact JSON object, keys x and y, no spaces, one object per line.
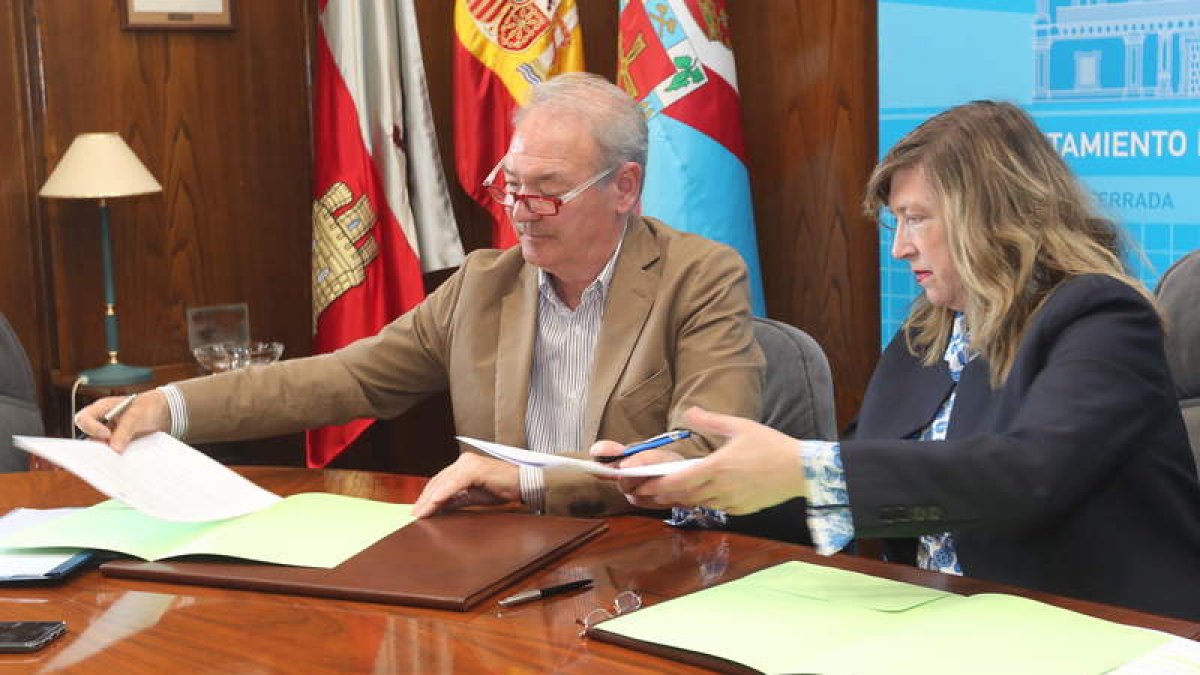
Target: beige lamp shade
{"x":96,"y":166}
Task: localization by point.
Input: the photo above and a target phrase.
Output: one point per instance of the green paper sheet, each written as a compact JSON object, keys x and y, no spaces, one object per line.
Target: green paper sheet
{"x":314,"y":529}
{"x":844,"y":587}
{"x":797,"y":617}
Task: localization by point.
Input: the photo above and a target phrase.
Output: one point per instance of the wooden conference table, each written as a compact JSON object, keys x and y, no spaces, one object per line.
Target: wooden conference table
{"x":147,"y":627}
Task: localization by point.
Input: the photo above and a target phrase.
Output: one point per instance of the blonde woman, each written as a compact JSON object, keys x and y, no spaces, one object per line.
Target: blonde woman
{"x":1022,"y":427}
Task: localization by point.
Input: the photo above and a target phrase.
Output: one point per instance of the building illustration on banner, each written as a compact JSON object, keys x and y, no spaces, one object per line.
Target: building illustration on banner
{"x":1113,"y":84}
{"x":1116,"y":49}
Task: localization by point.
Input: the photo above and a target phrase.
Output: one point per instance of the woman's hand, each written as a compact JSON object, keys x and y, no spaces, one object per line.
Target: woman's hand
{"x":757,"y":467}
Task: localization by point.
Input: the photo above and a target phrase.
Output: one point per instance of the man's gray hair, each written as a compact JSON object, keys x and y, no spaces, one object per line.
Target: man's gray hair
{"x":618,"y":125}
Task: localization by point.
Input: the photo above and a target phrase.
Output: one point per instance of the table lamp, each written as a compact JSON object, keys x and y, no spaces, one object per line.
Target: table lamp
{"x":100,"y":166}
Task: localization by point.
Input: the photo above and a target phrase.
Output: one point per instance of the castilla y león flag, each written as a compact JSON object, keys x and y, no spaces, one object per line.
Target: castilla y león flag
{"x":375,"y":164}
{"x":675,"y":57}
{"x":503,"y":48}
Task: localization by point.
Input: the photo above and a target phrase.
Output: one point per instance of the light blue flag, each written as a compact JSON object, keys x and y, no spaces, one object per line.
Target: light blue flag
{"x":679,"y":65}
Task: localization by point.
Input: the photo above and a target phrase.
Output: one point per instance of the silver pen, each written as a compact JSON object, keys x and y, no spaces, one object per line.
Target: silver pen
{"x":119,"y":408}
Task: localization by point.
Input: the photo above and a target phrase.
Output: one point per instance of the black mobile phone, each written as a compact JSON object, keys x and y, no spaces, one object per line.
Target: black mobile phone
{"x":29,"y":636}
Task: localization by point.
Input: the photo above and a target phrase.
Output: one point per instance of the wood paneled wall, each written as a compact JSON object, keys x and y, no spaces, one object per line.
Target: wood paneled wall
{"x":222,"y":119}
{"x":23,"y":280}
{"x":807,"y":76}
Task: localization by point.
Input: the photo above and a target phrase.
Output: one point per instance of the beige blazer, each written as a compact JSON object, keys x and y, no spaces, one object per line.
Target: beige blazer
{"x":676,"y":332}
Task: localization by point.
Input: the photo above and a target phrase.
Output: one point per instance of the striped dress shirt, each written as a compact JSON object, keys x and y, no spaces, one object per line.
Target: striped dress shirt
{"x":563,"y":350}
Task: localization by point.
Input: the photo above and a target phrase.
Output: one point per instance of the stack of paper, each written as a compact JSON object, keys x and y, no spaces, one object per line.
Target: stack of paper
{"x":310,"y":530}
{"x":172,"y":500}
{"x":157,"y":475}
{"x":22,"y":564}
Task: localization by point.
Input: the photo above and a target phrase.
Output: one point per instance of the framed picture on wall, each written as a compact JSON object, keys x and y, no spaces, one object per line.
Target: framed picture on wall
{"x":177,"y":14}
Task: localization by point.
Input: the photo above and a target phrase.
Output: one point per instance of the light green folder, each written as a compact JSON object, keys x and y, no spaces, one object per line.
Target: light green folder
{"x":802,"y":618}
{"x":314,"y":529}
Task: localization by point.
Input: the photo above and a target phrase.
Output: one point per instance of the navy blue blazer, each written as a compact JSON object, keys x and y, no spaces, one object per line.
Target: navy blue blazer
{"x":1074,"y":477}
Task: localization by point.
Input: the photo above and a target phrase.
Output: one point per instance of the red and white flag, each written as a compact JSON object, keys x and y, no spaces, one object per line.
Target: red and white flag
{"x":376,"y":163}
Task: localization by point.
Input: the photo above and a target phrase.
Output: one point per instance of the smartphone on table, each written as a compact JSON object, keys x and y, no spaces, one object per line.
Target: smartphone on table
{"x":28,"y":636}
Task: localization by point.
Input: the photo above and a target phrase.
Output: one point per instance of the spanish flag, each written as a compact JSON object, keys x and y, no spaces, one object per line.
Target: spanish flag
{"x":503,"y":48}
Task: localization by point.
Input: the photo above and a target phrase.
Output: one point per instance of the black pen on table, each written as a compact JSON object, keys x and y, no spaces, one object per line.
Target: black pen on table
{"x":648,"y":444}
{"x":119,"y":408}
{"x":539,"y":593}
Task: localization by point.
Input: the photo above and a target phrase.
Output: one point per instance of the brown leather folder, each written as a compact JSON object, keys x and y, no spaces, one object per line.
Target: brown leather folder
{"x":449,"y":561}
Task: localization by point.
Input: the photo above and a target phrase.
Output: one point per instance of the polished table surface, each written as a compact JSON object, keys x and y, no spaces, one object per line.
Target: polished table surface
{"x":148,"y":627}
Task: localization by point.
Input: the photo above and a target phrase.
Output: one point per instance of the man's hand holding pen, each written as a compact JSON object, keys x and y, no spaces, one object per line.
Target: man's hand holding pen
{"x":115,"y":412}
{"x":117,"y":420}
{"x":651,"y":451}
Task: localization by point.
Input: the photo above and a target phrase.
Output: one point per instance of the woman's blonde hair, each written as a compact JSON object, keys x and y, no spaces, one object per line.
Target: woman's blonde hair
{"x":1016,"y":220}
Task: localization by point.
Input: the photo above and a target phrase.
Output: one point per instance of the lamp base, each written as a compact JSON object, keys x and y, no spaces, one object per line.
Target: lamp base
{"x":117,"y":374}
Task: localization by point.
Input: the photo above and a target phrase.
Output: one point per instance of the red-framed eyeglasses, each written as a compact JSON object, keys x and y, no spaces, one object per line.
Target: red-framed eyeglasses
{"x":542,"y":205}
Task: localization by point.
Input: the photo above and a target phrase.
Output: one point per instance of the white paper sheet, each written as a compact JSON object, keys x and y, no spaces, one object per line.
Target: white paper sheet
{"x":543,"y":460}
{"x":157,"y":475}
{"x":1177,"y":657}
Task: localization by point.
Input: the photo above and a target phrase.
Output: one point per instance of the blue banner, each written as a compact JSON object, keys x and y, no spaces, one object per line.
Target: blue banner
{"x":1114,"y":85}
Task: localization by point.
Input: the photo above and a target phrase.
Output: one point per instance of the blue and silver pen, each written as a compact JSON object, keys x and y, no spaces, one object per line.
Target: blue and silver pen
{"x":648,"y":444}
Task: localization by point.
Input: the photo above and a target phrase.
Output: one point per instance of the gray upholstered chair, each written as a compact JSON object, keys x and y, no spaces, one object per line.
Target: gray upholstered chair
{"x":797,"y":383}
{"x":19,"y":413}
{"x":1179,"y":294}
{"x":797,"y":400}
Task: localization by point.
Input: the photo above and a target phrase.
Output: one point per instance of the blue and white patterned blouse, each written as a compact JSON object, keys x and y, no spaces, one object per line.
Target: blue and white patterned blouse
{"x":829,"y":517}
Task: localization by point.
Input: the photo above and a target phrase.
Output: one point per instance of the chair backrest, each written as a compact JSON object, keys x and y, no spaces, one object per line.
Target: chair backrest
{"x":797,"y":383}
{"x":1179,"y":294}
{"x":797,"y":400}
{"x":19,"y":413}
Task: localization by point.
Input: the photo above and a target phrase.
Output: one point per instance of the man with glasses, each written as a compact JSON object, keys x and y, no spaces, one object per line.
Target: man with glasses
{"x":600,"y":324}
